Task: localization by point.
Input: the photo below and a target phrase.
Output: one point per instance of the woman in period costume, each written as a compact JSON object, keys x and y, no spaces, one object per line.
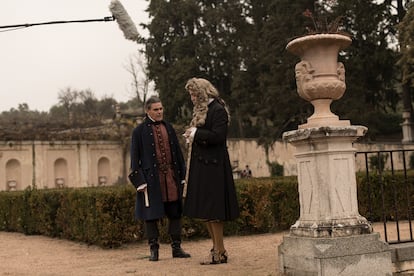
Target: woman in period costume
{"x":210,"y":190}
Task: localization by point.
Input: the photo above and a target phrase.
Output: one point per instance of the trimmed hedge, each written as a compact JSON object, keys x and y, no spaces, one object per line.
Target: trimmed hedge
{"x":104,"y":216}
{"x":100,"y":216}
{"x":386,"y":196}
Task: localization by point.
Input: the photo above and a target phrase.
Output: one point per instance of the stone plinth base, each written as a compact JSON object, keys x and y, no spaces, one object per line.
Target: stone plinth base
{"x":350,"y":256}
{"x":356,"y":225}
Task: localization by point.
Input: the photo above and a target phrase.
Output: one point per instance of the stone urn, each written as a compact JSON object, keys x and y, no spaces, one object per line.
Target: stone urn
{"x":320,"y":78}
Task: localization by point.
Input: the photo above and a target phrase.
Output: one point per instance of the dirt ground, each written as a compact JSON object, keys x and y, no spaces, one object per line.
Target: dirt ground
{"x":38,"y":255}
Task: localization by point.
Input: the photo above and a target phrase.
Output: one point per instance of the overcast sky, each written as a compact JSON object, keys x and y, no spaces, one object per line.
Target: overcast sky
{"x":37,"y":62}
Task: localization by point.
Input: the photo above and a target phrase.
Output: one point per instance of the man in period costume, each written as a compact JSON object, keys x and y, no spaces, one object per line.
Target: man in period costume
{"x":158,"y":173}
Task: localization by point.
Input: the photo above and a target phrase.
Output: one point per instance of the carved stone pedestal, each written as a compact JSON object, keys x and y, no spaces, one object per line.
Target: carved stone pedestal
{"x":327,"y":185}
{"x":330,"y":237}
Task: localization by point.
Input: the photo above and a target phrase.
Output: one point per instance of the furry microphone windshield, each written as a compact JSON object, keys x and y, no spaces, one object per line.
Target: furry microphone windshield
{"x":125,"y":23}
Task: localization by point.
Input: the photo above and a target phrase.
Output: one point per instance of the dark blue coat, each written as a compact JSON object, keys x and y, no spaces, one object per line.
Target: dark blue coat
{"x":144,"y":166}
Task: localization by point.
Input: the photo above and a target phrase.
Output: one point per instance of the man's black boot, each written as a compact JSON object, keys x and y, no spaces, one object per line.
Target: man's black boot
{"x":154,"y":246}
{"x":177,"y":251}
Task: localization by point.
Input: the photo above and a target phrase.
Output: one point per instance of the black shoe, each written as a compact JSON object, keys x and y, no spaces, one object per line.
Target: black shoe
{"x":214,"y":258}
{"x":223,"y":257}
{"x":178,"y":252}
{"x":154,"y":255}
{"x":154,"y":246}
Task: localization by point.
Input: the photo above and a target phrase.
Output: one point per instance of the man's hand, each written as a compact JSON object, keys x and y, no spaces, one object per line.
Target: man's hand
{"x":142,"y":188}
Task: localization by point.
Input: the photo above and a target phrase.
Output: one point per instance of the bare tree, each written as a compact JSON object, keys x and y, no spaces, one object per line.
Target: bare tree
{"x":141,"y":84}
{"x":68,"y":98}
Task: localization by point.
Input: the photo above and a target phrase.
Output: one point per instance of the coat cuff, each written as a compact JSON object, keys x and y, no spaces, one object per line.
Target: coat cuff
{"x":135,"y":178}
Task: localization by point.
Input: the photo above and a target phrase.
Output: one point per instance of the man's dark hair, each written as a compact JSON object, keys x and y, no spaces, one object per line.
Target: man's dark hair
{"x":151,"y":100}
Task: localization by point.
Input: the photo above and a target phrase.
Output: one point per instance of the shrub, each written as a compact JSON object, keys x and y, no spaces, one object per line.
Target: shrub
{"x":377,"y":162}
{"x":275,"y":169}
{"x":385,"y":196}
{"x":104,"y":216}
{"x":411,"y":162}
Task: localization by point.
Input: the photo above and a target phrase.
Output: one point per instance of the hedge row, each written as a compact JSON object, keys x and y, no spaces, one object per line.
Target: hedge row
{"x":386,"y":196}
{"x":100,"y":216}
{"x":105,"y":216}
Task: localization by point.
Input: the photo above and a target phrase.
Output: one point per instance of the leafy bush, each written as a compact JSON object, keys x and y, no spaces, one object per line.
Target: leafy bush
{"x":104,"y":216}
{"x":377,"y":162}
{"x":275,"y":169}
{"x":385,"y":196}
{"x":411,"y":162}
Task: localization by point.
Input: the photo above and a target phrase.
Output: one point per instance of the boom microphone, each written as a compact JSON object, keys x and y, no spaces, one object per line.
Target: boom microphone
{"x":125,"y":22}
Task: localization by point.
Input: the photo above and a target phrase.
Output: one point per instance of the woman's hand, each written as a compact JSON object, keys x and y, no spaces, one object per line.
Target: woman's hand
{"x":189,"y":134}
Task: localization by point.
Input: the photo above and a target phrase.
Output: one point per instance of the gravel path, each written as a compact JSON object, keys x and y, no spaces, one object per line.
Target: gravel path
{"x":44,"y":256}
{"x":38,"y":255}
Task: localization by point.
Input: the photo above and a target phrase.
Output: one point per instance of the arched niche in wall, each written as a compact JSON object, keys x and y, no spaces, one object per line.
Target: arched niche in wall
{"x":104,"y":171}
{"x":61,"y":173}
{"x":13,"y":175}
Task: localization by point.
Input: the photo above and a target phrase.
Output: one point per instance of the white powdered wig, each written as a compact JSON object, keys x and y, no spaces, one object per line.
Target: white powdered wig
{"x":125,"y":22}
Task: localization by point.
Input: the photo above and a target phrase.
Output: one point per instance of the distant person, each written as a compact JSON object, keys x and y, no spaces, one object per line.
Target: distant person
{"x":158,"y":172}
{"x":211,"y":194}
{"x":246,"y":173}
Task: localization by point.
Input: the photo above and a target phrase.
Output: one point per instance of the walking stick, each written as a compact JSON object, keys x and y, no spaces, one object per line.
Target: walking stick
{"x":190,"y":146}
